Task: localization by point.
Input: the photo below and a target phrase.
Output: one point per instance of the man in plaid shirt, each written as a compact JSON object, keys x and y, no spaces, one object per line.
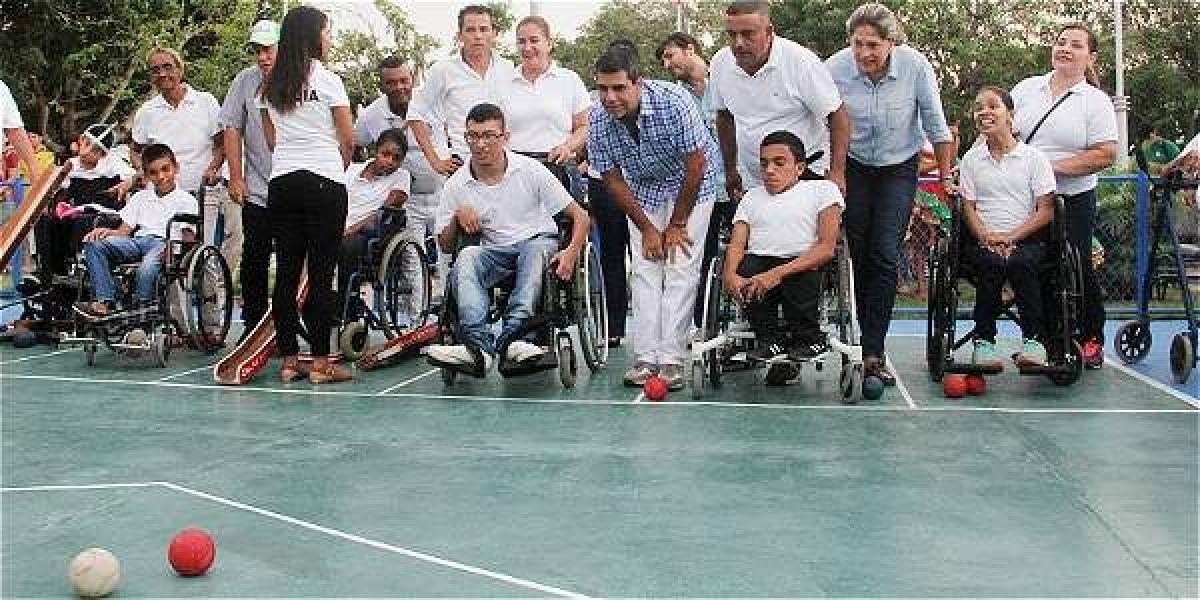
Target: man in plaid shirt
{"x":660,"y":164}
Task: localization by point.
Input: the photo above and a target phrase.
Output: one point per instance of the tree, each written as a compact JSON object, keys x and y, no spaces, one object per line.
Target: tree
{"x":357,"y":53}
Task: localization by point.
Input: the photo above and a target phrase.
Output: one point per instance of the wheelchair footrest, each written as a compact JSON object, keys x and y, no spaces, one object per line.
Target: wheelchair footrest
{"x":1045,"y":370}
{"x":546,"y":362}
{"x":970,"y":369}
{"x":471,"y":370}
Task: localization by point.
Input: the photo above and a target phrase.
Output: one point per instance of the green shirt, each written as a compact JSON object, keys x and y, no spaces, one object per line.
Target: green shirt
{"x":1161,"y":152}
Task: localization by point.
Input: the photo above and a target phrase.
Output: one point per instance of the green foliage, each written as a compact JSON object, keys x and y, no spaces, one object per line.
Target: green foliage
{"x":356,"y":54}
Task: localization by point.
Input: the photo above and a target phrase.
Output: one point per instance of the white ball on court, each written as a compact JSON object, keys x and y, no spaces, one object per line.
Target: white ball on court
{"x":95,"y":572}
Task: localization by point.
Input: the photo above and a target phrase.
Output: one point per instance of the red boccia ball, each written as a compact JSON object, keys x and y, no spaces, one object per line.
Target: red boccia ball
{"x":954,"y":386}
{"x":192,"y":552}
{"x":655,"y":388}
{"x":976,"y":385}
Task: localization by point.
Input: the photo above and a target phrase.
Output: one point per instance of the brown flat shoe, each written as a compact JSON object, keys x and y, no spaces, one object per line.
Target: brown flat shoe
{"x":294,"y":372}
{"x":330,"y":374}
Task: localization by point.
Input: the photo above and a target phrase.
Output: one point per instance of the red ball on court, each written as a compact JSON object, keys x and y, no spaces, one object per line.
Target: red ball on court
{"x":192,"y":552}
{"x":976,"y":385}
{"x":655,"y":388}
{"x":954,"y":386}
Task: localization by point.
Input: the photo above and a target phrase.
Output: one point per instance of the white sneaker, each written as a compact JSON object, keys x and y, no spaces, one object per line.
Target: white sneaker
{"x":451,"y":355}
{"x":521,"y":351}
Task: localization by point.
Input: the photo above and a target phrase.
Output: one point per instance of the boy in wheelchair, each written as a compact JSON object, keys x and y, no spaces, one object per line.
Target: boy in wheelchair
{"x":509,"y":201}
{"x":783,"y":234}
{"x":1007,"y":191}
{"x":139,"y":237}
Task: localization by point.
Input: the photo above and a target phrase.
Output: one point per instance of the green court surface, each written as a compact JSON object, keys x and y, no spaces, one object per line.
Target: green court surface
{"x":395,"y":485}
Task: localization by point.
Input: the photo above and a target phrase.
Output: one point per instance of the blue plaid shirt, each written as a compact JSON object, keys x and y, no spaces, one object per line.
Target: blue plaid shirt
{"x":669,"y":128}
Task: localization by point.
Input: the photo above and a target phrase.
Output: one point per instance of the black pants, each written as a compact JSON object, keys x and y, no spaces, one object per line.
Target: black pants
{"x":800,"y":296}
{"x":722,"y":215}
{"x":614,"y":247}
{"x":308,"y":215}
{"x":1081,"y":224}
{"x":1021,"y":272}
{"x":257,"y":245}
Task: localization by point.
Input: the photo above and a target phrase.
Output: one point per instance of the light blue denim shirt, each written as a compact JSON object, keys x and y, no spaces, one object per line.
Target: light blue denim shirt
{"x":891,"y":119}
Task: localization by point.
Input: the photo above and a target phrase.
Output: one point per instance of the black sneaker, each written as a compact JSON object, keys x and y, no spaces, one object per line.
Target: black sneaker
{"x":808,"y":351}
{"x":780,"y":373}
{"x":767,"y":352}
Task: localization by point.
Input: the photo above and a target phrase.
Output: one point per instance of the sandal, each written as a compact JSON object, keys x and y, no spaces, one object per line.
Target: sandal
{"x":330,"y":374}
{"x":294,"y":371}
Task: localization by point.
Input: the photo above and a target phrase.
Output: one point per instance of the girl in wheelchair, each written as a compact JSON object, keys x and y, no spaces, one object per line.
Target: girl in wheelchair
{"x":1007,"y":193}
{"x":783,"y":234}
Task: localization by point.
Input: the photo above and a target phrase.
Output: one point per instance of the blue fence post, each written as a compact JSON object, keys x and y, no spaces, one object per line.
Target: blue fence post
{"x":1141,"y":256}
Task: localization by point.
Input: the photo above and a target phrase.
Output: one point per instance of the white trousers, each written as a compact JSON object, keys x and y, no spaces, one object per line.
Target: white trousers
{"x":664,"y":292}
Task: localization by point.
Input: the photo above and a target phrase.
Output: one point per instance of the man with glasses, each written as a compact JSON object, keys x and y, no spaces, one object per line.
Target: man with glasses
{"x":184,"y":119}
{"x":509,"y":201}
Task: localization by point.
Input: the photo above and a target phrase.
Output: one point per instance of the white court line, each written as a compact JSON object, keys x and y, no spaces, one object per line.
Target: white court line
{"x":187,"y":372}
{"x":36,"y":356}
{"x":94,"y":486}
{"x":595,"y":402}
{"x":408,"y":381}
{"x":900,"y":384}
{"x":1154,"y":383}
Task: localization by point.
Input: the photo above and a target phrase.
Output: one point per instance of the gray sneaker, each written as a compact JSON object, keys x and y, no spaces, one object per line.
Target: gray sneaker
{"x":637,"y":375}
{"x":1033,"y":354}
{"x":673,"y":375}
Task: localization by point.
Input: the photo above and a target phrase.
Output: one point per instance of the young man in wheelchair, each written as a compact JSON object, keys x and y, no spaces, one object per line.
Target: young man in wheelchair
{"x":509,"y":201}
{"x":783,"y":234}
{"x":141,"y":235}
{"x":1007,"y":193}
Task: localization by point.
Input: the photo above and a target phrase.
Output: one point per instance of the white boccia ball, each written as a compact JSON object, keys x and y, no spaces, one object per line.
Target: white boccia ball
{"x":95,"y":572}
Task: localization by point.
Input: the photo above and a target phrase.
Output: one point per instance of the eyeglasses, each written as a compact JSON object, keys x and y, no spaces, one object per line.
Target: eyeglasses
{"x":161,"y":68}
{"x":483,"y":137}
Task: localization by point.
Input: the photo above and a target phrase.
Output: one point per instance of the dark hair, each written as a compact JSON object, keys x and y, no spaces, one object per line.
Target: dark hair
{"x":789,"y":139}
{"x":475,"y":9}
{"x":154,"y":152}
{"x":1005,"y":97}
{"x":625,"y":43}
{"x":299,"y":43}
{"x":749,"y":7}
{"x":485,"y":112}
{"x":1090,"y":75}
{"x":619,"y":58}
{"x":679,"y":40}
{"x":392,"y":62}
{"x":396,"y":136}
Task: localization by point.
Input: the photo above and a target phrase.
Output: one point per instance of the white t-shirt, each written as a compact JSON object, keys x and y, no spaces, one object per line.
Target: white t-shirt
{"x":540,"y":114}
{"x":521,"y":206}
{"x":10,"y":117}
{"x":188,"y":129}
{"x":452,"y":88}
{"x":305,"y":138}
{"x":1084,"y":119}
{"x":367,"y":196}
{"x":1005,"y":191}
{"x":108,"y":166}
{"x":785,"y":225}
{"x":378,"y":117}
{"x":1192,"y":146}
{"x":150,"y":213}
{"x":793,"y":91}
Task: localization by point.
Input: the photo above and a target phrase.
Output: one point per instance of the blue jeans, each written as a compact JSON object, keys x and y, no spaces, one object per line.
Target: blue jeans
{"x":101,"y":255}
{"x":480,"y":268}
{"x":879,"y":202}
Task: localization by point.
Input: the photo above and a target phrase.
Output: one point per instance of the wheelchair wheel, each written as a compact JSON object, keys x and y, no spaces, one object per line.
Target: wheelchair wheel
{"x":591,"y":309}
{"x":710,"y":327}
{"x":208,"y":298}
{"x":1072,"y":358}
{"x":161,"y":347}
{"x":941,"y":309}
{"x":352,"y":340}
{"x":1183,"y":357}
{"x":1133,"y":341}
{"x":567,"y":367}
{"x":404,"y":276}
{"x":850,"y":382}
{"x":89,"y":354}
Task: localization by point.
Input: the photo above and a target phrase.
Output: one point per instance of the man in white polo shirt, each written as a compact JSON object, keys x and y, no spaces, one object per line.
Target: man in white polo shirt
{"x":454,"y":85}
{"x":185,"y":119}
{"x":763,"y":83}
{"x":510,"y":201}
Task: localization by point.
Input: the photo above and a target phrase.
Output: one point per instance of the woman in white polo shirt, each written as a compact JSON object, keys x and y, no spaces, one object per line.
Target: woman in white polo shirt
{"x":1008,"y":199}
{"x":1064,"y":114}
{"x":307,"y":120}
{"x":546,"y":105}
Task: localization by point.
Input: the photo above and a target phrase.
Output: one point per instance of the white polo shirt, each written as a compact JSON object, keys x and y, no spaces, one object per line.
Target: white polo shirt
{"x":149,"y":212}
{"x":785,"y":225}
{"x":305,"y":138}
{"x":521,"y":206}
{"x":378,"y":117}
{"x":452,"y":88}
{"x":793,"y":91}
{"x":540,"y":113}
{"x":187,"y":129}
{"x":369,"y":195}
{"x":1005,"y":191}
{"x":1084,"y":119}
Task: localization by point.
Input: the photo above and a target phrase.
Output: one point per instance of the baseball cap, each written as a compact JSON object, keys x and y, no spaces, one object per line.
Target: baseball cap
{"x":264,"y":33}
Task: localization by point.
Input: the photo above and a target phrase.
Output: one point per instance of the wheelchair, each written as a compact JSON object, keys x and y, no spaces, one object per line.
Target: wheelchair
{"x":579,"y":302}
{"x":724,"y":339}
{"x":397,"y":270}
{"x":193,"y":302}
{"x":1062,"y":291}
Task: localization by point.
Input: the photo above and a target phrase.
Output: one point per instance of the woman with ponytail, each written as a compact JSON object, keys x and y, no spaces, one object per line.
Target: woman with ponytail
{"x":307,"y":121}
{"x":1064,"y":114}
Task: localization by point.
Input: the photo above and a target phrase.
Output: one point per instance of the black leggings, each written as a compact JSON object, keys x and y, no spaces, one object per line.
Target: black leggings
{"x":308,"y":214}
{"x":1081,"y":224}
{"x":799,"y":294}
